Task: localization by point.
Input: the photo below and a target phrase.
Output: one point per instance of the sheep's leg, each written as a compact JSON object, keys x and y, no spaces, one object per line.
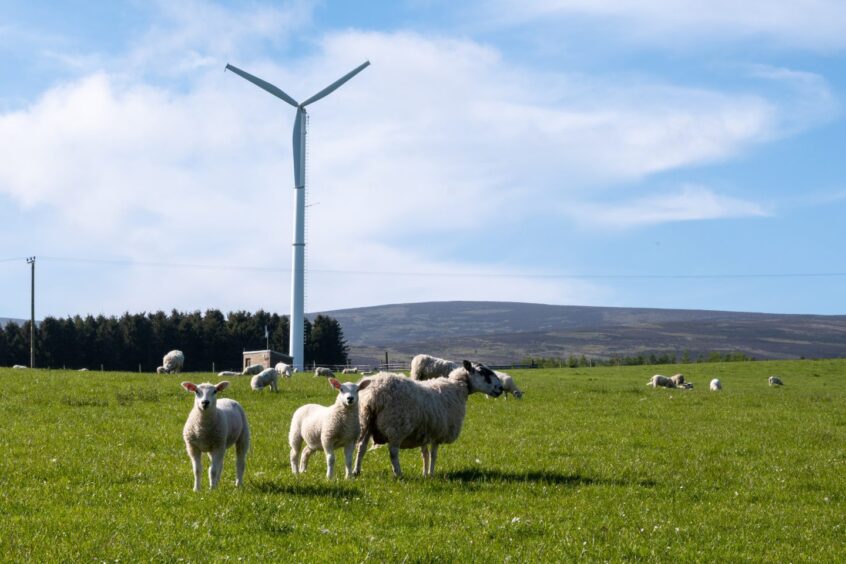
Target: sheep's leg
{"x":394,"y":451}
{"x":362,"y":447}
{"x":330,"y":463}
{"x":241,"y":448}
{"x":432,"y":459}
{"x":424,"y":450}
{"x":197,"y":464}
{"x":274,"y":386}
{"x":348,"y":456}
{"x":307,"y":451}
{"x":296,"y":445}
{"x":216,"y":468}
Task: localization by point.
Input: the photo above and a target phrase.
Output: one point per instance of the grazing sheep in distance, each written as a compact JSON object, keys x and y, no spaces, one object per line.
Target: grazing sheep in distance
{"x":508,"y":386}
{"x":327,"y":428}
{"x":426,"y":367}
{"x":172,"y":363}
{"x":775,"y":381}
{"x":678,"y":379}
{"x":715,"y":385}
{"x":214,"y":425}
{"x":406,"y":413}
{"x":19,"y":367}
{"x":321,"y":371}
{"x":283,"y":369}
{"x":223,"y":373}
{"x":267,"y":377}
{"x":352,"y":370}
{"x":253,"y":369}
{"x":659,"y":381}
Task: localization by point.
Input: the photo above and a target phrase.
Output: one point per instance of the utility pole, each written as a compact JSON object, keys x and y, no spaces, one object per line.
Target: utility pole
{"x":31,"y":262}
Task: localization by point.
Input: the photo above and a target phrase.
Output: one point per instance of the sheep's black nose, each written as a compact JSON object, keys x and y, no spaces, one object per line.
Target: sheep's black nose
{"x":205,"y":404}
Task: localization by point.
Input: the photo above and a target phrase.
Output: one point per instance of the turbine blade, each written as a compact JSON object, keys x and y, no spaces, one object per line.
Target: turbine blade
{"x":263,"y":85}
{"x":298,"y":141}
{"x":334,"y":86}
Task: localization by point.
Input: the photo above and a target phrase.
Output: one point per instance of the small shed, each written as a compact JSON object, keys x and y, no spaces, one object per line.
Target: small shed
{"x":267,"y":358}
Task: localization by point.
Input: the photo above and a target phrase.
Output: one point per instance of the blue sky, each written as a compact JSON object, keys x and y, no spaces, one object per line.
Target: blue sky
{"x":683,"y":154}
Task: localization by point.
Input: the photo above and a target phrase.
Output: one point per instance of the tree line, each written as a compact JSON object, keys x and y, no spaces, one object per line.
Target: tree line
{"x":580,"y":361}
{"x":208,"y":340}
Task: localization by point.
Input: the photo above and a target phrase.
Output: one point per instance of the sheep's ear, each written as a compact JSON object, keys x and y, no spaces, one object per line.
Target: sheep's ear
{"x":191,"y":387}
{"x":334,"y":383}
{"x":222,"y":386}
{"x":363,"y":384}
{"x":468,"y":366}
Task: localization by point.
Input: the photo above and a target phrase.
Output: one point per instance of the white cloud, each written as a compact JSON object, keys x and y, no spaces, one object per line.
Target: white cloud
{"x":690,"y":203}
{"x":812,"y":24}
{"x":439,"y":137}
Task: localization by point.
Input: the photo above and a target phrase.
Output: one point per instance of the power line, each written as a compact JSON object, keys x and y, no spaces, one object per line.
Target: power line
{"x":443,"y":274}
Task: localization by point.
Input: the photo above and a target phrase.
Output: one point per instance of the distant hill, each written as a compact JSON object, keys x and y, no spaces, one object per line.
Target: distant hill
{"x":5,"y":320}
{"x":505,"y":332}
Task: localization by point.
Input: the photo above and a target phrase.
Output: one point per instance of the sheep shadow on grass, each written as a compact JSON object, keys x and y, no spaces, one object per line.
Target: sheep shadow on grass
{"x":477,"y":475}
{"x":308,"y":490}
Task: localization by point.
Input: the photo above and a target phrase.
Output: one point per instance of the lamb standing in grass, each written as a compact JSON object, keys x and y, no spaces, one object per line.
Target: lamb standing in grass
{"x":172,"y":363}
{"x":659,"y":381}
{"x":283,"y":369}
{"x":775,"y":381}
{"x":509,"y":386}
{"x":352,"y":370}
{"x":327,"y":428}
{"x":715,"y":385}
{"x":267,"y":377}
{"x":321,"y":371}
{"x":406,"y":413}
{"x":213,"y":426}
{"x":426,"y":367}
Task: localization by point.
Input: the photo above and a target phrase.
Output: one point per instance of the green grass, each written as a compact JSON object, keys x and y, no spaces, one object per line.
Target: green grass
{"x":591,"y":464}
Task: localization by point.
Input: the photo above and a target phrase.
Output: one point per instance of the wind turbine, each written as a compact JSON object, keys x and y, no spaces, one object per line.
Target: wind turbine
{"x":299,"y":141}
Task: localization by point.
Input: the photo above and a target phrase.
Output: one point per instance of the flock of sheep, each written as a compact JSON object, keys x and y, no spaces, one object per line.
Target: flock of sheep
{"x":677,"y":381}
{"x":423,"y":411}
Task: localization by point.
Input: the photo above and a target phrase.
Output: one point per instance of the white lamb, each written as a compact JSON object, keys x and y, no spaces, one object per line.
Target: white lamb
{"x":509,"y":386}
{"x":224,"y":373}
{"x":352,"y":370}
{"x":327,"y":428}
{"x":213,"y":426}
{"x":172,"y":363}
{"x":253,"y":369}
{"x":659,"y":381}
{"x":775,"y":381}
{"x":321,"y":371}
{"x":426,"y":367}
{"x":283,"y":369}
{"x":406,"y":413}
{"x":715,"y":385}
{"x":267,"y":377}
{"x":19,"y":367}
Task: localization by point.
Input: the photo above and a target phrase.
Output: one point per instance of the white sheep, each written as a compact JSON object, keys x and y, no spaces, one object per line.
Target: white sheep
{"x":19,"y":367}
{"x":426,"y":367}
{"x":224,"y":373}
{"x":267,"y":377}
{"x":352,"y":370}
{"x":253,"y":369}
{"x":659,"y":381}
{"x":715,"y":385}
{"x":775,"y":381}
{"x":283,"y":369}
{"x":321,"y":371}
{"x":213,"y":426}
{"x":406,"y":413}
{"x":172,"y":362}
{"x":509,"y":386}
{"x":327,"y":428}
{"x":678,"y":379}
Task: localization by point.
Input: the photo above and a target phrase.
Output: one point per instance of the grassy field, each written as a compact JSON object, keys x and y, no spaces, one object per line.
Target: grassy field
{"x":591,"y":464}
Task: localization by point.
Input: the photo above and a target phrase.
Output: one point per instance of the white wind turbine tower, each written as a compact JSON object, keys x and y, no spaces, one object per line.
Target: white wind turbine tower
{"x":295,"y":348}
